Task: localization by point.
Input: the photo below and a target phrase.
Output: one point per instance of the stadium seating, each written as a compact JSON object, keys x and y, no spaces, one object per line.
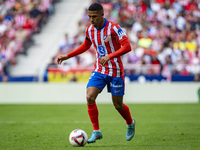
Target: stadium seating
{"x":19,"y":21}
{"x":164,"y":34}
{"x":165,"y":37}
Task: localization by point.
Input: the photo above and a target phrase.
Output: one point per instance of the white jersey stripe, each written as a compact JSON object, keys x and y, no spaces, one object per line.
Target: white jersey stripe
{"x":116,"y":31}
{"x":109,"y":63}
{"x":115,"y":59}
{"x":103,"y":44}
{"x":89,"y":32}
{"x":96,"y":42}
{"x":90,"y":35}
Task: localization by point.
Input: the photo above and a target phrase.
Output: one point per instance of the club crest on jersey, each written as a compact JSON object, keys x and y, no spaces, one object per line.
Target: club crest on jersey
{"x":101,"y":51}
{"x":121,"y":33}
{"x":106,"y":38}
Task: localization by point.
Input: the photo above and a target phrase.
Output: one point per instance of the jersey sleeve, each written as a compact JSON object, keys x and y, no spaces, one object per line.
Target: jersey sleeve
{"x":119,"y":33}
{"x":126,"y":47}
{"x":83,"y":47}
{"x":87,"y":34}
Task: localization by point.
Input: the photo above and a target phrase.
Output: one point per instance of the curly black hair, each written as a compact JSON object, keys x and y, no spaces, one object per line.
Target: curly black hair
{"x":95,"y":7}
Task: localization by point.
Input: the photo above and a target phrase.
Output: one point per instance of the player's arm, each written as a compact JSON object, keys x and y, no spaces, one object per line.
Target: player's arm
{"x":125,"y":48}
{"x":81,"y":49}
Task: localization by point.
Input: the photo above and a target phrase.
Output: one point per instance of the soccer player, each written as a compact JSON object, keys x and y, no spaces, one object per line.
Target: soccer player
{"x":110,"y":42}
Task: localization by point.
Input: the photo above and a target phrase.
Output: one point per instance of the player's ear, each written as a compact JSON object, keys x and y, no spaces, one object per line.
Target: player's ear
{"x":102,"y":13}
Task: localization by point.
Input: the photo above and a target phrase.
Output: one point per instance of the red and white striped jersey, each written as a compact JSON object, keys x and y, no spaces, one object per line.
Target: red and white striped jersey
{"x":105,"y":41}
{"x":20,"y":20}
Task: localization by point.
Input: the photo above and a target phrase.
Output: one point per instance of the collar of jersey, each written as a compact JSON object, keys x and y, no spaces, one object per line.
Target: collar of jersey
{"x":103,"y":24}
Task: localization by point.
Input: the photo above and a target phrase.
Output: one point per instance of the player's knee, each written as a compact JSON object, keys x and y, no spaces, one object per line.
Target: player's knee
{"x":90,"y":99}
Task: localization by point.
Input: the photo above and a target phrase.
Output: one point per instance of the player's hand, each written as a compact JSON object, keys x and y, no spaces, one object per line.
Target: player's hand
{"x":104,"y":60}
{"x":61,"y":58}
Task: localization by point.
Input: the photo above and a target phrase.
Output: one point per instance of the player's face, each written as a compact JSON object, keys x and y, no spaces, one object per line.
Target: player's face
{"x":96,"y":18}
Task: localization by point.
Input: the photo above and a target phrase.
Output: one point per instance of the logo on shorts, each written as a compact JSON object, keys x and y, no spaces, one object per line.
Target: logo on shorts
{"x":117,"y":91}
{"x":112,"y":85}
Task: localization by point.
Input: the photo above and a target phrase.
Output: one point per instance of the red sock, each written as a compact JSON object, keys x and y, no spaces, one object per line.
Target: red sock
{"x":125,"y":113}
{"x":93,"y":114}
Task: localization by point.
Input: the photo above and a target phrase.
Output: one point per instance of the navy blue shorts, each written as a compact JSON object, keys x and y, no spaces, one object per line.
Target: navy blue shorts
{"x":115,"y":85}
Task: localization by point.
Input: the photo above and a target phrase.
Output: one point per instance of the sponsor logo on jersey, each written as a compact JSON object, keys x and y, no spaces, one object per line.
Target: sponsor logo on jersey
{"x":121,"y":33}
{"x":101,"y":50}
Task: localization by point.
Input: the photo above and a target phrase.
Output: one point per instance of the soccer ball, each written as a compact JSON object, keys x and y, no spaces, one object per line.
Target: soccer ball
{"x":78,"y":137}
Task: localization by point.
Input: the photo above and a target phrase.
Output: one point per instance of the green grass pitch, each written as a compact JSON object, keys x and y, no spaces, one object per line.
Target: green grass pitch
{"x":47,"y":127}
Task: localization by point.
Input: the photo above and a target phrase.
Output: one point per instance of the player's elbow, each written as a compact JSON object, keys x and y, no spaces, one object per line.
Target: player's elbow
{"x":85,"y":46}
{"x":128,"y":47}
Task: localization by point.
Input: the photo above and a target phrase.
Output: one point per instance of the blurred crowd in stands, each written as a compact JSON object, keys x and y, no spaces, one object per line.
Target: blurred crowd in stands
{"x":19,"y":21}
{"x":165,"y":36}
